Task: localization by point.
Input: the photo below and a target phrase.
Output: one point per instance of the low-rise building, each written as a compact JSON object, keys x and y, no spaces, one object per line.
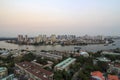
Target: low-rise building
{"x":112,"y":77}
{"x":3,"y":51}
{"x":49,"y":55}
{"x":84,"y":54}
{"x":33,"y":71}
{"x":3,"y":72}
{"x":110,"y":53}
{"x":64,"y":65}
{"x":97,"y":75}
{"x":103,"y":59}
{"x":114,"y":68}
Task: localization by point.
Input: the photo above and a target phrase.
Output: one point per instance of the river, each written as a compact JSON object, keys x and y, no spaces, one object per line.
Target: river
{"x":91,"y":48}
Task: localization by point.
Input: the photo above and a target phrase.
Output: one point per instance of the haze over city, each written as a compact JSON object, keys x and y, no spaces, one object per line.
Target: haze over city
{"x":59,"y":39}
{"x":79,"y":17}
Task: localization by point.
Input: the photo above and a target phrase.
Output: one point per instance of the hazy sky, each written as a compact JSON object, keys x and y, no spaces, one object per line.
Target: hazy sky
{"x":77,"y":17}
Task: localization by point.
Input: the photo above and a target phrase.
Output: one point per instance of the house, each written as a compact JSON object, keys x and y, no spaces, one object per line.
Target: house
{"x":97,"y":75}
{"x":112,"y":77}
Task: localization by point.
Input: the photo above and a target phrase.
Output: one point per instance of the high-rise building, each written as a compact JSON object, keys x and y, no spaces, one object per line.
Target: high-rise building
{"x":53,"y":38}
{"x":44,"y":37}
{"x":26,"y":38}
{"x":39,"y":39}
{"x":20,"y":38}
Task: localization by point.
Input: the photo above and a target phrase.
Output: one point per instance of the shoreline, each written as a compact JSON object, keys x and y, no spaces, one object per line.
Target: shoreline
{"x":80,"y":44}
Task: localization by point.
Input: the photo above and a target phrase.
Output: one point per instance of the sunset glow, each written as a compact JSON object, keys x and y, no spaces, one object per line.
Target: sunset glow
{"x":59,"y":17}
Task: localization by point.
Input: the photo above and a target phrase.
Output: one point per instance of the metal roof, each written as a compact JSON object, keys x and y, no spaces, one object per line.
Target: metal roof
{"x":65,"y":63}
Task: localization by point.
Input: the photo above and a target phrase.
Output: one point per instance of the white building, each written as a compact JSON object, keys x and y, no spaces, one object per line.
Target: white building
{"x":84,"y":54}
{"x":64,"y":65}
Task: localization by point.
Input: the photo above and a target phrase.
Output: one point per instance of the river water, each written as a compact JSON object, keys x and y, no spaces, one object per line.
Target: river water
{"x":91,"y":48}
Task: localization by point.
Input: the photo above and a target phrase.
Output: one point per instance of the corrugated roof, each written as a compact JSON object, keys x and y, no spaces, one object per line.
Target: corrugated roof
{"x":35,"y":70}
{"x":65,"y":63}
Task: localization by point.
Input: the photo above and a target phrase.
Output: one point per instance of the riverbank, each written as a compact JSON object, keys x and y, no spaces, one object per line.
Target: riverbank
{"x":63,"y":43}
{"x":89,"y":48}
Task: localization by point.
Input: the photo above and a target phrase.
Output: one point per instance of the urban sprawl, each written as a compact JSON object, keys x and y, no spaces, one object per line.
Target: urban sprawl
{"x":25,"y":64}
{"x":61,"y":40}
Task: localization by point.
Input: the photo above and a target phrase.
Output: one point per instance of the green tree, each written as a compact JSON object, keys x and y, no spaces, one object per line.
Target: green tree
{"x":28,"y":57}
{"x":82,"y":76}
{"x":103,"y":65}
{"x":41,"y":61}
{"x":58,"y":75}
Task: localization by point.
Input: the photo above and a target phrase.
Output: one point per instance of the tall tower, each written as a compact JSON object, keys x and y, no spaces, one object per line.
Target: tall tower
{"x":26,"y":38}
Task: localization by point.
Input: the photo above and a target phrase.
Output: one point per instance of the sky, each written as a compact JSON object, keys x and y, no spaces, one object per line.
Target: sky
{"x":78,"y":17}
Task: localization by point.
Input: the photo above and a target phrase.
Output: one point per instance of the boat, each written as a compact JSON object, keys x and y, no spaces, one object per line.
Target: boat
{"x":106,"y":45}
{"x":77,"y":48}
{"x":113,"y":44}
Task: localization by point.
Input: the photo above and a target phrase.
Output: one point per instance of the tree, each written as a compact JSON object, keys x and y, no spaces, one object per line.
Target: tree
{"x":66,"y":75}
{"x":58,"y":75}
{"x":28,"y":57}
{"x":103,"y":65}
{"x":82,"y":76}
{"x":41,"y":61}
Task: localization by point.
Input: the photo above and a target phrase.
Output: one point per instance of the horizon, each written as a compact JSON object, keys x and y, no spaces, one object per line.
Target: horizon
{"x":92,"y":17}
{"x":58,"y":35}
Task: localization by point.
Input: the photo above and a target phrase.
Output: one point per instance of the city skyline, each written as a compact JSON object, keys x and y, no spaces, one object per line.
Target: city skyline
{"x":92,"y":17}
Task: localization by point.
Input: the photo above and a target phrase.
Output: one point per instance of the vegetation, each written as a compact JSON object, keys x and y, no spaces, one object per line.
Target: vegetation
{"x":113,"y":57}
{"x":83,"y":65}
{"x":8,"y":62}
{"x":41,"y":61}
{"x":62,"y":75}
{"x":28,"y":57}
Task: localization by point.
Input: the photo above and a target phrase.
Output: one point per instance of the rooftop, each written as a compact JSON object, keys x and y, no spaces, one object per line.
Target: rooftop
{"x":65,"y":63}
{"x":109,"y":53}
{"x":112,"y":77}
{"x":83,"y":52}
{"x":117,"y":65}
{"x":3,"y":51}
{"x":35,"y":70}
{"x":3,"y":69}
{"x":98,"y":75}
{"x":103,"y":59}
{"x":49,"y":55}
